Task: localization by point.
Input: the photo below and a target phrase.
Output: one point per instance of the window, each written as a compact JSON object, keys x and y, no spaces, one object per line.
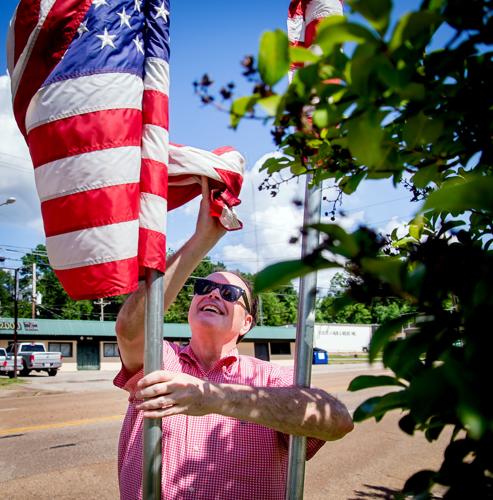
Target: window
{"x":110,"y":350}
{"x":64,"y":347}
{"x":280,"y":348}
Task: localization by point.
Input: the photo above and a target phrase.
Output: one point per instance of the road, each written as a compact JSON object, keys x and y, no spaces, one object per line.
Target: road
{"x":58,"y":439}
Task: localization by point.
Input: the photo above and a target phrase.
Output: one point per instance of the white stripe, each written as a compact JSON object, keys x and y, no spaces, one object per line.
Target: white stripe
{"x":93,"y":246}
{"x":155,"y":141}
{"x":45,"y":8}
{"x":94,"y":170}
{"x":153,"y":212}
{"x":318,"y":9}
{"x":85,"y":94}
{"x":156,"y":75}
{"x":296,"y":29}
{"x":194,"y":161}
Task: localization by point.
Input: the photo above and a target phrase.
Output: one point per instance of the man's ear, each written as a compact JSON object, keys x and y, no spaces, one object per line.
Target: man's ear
{"x":247,"y":325}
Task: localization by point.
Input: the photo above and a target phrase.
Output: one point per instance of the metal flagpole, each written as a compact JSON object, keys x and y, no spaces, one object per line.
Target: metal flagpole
{"x":304,"y":338}
{"x":152,"y":448}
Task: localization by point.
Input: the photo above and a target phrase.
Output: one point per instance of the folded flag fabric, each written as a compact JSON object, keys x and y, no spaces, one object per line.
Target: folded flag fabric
{"x":303,"y":18}
{"x":90,"y":87}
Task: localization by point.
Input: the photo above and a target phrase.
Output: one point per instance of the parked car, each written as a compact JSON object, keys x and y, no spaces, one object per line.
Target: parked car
{"x":34,"y":356}
{"x":7,"y":363}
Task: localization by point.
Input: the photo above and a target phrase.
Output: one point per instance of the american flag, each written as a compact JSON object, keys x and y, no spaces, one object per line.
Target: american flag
{"x":303,"y":18}
{"x":90,"y":86}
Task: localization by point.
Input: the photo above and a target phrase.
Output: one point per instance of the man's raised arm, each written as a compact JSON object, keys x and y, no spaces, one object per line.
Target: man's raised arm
{"x":130,"y":320}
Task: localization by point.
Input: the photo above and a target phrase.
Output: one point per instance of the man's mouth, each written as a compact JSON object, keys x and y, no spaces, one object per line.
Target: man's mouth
{"x":211,"y":308}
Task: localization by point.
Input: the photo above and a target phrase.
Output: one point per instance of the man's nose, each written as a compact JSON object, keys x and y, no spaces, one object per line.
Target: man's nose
{"x":214,"y":293}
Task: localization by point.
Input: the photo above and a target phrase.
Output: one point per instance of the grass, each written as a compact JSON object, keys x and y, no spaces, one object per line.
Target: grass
{"x":5,"y":383}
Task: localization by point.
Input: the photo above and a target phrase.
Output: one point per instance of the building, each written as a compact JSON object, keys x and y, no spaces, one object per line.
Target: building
{"x":91,"y":345}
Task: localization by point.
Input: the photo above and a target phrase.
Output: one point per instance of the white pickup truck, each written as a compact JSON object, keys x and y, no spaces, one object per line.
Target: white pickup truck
{"x":7,"y":363}
{"x":34,"y":356}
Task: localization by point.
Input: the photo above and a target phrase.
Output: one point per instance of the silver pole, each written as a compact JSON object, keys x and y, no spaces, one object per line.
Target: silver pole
{"x":304,"y":338}
{"x":153,"y":356}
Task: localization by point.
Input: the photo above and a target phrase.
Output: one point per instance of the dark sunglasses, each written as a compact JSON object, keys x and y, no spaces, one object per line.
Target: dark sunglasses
{"x":230,"y":293}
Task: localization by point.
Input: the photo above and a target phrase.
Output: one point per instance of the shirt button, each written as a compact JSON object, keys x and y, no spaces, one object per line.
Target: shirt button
{"x":191,"y":489}
{"x":195,"y":448}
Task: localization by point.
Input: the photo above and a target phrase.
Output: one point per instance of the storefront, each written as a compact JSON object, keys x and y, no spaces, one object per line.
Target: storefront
{"x":91,"y":345}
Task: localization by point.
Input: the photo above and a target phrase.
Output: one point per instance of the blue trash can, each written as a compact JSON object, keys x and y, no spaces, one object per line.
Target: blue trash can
{"x":320,"y":356}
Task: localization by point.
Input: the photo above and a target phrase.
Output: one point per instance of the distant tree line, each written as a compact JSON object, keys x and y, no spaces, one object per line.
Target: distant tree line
{"x":276,"y":307}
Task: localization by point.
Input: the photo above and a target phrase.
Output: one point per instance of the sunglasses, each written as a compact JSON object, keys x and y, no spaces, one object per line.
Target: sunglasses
{"x":230,"y":293}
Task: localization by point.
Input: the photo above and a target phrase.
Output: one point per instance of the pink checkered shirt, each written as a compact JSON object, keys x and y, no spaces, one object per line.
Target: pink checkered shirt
{"x":211,"y":457}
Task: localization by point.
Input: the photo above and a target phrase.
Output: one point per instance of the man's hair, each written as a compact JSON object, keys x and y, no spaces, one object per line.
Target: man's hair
{"x":252,"y":297}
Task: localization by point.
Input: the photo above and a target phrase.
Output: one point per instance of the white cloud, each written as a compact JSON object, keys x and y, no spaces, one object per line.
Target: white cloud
{"x":394,"y":223}
{"x":16,"y":172}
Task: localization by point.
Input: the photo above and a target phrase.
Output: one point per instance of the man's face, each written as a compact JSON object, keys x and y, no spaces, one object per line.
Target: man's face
{"x":213,"y":315}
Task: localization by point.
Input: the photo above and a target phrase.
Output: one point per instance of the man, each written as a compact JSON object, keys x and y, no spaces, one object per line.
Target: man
{"x":226,"y":418}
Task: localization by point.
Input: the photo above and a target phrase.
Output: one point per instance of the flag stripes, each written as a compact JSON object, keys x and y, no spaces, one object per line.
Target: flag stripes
{"x":90,"y":85}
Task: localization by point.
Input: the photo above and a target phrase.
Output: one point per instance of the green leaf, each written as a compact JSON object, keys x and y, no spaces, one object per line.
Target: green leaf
{"x":387,"y":269}
{"x":241,"y":106}
{"x":425,"y":175}
{"x":378,"y":406}
{"x":270,"y":104}
{"x":302,"y":55}
{"x":349,"y":184}
{"x":420,"y":483}
{"x":365,"y":139}
{"x":336,"y":30}
{"x":273,"y":60}
{"x":342,"y":243}
{"x":411,"y":26}
{"x":367,"y":381}
{"x":386,"y":331}
{"x":283,"y":272}
{"x":420,"y":130}
{"x":275,"y":164}
{"x":377,"y":12}
{"x":475,"y":192}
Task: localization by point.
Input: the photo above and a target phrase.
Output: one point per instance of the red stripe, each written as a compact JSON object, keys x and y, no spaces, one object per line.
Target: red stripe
{"x":155,"y":108}
{"x":152,"y":249}
{"x":311,"y":32}
{"x":84,"y":133}
{"x":154,"y":178}
{"x":223,"y":150}
{"x":233,"y":180}
{"x":100,"y":280}
{"x":97,"y":207}
{"x":179,"y":195}
{"x":296,"y":8}
{"x":26,"y":18}
{"x":53,"y":40}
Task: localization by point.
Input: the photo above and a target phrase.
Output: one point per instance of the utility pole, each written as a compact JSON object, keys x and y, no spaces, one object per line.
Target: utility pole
{"x":16,"y":316}
{"x":33,"y":296}
{"x":102,"y":304}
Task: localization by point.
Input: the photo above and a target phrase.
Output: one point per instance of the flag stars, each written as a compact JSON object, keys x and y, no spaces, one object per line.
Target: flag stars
{"x":106,"y":39}
{"x":98,"y":3}
{"x":82,"y":28}
{"x":161,"y":12}
{"x":138,"y":5}
{"x":124,"y":18}
{"x":139,"y":45}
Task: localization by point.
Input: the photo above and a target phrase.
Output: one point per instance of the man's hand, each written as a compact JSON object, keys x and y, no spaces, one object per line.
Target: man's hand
{"x":167,"y":393}
{"x":207,"y":228}
{"x":299,"y":411}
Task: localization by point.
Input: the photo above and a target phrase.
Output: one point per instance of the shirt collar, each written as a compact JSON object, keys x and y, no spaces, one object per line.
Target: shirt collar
{"x":227,"y":360}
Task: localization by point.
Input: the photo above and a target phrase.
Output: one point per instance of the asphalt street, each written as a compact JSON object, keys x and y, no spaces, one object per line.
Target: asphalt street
{"x":58,"y":440}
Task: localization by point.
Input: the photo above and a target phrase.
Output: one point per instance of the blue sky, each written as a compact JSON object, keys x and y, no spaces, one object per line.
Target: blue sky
{"x":207,"y":37}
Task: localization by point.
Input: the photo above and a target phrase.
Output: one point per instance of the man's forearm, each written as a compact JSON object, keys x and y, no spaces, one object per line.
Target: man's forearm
{"x":130,"y":321}
{"x":292,"y":410}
